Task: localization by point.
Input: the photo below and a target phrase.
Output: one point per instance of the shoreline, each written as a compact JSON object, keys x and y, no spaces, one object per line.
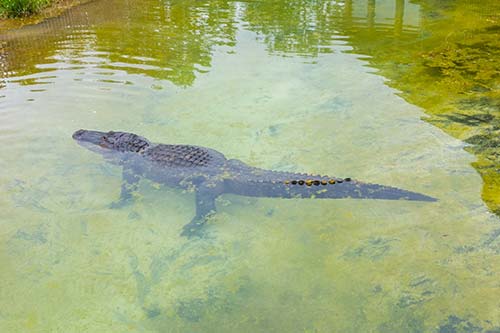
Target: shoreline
{"x":56,"y":8}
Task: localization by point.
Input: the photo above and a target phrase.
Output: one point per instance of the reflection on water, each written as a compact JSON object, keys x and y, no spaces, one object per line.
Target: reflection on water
{"x":287,"y":85}
{"x":174,"y":39}
{"x":171,"y":40}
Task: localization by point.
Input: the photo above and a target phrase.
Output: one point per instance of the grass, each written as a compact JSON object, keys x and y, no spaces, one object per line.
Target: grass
{"x":19,"y":8}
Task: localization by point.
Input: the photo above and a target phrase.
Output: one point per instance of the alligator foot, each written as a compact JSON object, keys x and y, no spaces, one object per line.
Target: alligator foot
{"x":206,"y":194}
{"x":195,"y":228}
{"x":192,"y":230}
{"x":129,"y":187}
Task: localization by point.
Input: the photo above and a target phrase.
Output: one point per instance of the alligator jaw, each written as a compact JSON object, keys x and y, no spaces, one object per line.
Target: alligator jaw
{"x":93,"y":137}
{"x":91,"y":140}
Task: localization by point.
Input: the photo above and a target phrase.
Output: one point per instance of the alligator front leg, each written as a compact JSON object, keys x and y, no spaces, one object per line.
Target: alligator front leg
{"x":130,"y":183}
{"x":205,"y":207}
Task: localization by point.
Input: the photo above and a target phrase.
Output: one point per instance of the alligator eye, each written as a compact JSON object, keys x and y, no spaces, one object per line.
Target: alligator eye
{"x":340,"y":181}
{"x":331,"y":181}
{"x":294,"y":182}
{"x":347,"y":179}
{"x":287,"y":182}
{"x":316,"y":182}
{"x":324,"y":182}
{"x":309,"y":182}
{"x":301,"y":182}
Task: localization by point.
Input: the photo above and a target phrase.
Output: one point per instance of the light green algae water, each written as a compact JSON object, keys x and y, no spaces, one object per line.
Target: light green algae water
{"x":280,"y":85}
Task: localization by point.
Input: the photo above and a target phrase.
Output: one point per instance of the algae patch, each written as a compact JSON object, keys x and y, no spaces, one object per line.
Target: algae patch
{"x":452,"y":72}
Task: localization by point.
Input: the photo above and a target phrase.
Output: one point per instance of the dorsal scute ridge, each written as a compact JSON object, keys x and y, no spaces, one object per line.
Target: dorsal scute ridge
{"x":178,"y":155}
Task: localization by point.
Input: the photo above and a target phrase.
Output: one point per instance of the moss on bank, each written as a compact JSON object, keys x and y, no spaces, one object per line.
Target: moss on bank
{"x":19,"y":8}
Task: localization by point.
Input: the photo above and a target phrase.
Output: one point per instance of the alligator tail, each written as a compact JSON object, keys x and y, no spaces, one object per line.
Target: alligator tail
{"x":357,"y":190}
{"x":324,"y":188}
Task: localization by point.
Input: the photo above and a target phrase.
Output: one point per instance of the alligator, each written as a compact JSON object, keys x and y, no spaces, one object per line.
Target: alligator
{"x":209,"y":174}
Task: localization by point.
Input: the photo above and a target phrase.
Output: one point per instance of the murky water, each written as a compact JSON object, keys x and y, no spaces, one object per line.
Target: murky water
{"x":285,"y":85}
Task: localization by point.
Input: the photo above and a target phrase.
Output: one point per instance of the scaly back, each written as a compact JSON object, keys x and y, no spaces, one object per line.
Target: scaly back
{"x":178,"y":155}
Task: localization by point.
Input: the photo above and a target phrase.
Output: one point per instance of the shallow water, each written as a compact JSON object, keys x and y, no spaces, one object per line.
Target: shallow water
{"x":281,"y":85}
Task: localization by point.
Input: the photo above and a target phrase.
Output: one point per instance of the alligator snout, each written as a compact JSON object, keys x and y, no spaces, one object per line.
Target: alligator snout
{"x":78,"y":134}
{"x":93,"y":137}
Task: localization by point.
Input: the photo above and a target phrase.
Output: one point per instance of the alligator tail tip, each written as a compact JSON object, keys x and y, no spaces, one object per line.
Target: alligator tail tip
{"x":422,"y":197}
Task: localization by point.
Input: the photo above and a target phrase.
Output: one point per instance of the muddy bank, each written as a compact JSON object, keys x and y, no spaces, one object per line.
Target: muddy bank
{"x":56,"y":8}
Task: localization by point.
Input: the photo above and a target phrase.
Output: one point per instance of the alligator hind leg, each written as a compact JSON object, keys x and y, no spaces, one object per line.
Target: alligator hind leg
{"x":205,"y":207}
{"x":130,"y":183}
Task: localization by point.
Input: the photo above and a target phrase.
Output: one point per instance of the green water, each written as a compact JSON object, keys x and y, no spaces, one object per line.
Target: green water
{"x":327,"y":87}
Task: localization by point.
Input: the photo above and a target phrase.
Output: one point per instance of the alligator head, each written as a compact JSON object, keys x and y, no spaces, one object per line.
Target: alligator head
{"x":107,"y":143}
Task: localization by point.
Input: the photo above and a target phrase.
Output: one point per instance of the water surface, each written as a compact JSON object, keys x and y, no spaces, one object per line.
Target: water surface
{"x":288,"y":85}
